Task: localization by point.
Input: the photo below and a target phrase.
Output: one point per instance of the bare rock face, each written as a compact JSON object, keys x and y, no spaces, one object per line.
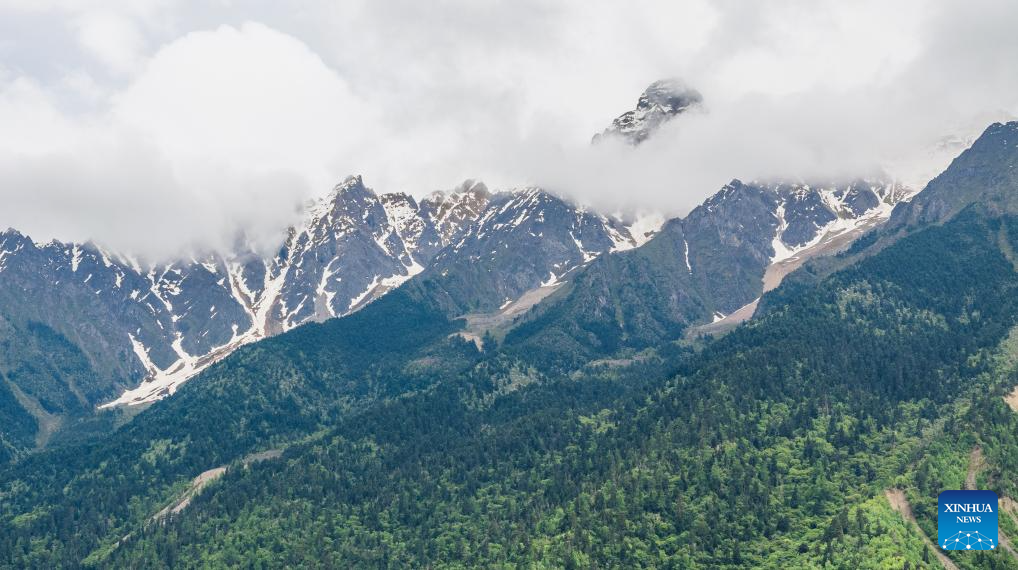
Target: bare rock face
{"x":984,"y":174}
{"x":147,"y":328}
{"x":450,"y":212}
{"x":662,"y":101}
{"x":736,"y":233}
{"x":523,"y":239}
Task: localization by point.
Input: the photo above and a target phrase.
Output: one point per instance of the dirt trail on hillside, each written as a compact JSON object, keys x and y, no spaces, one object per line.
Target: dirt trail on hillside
{"x":1005,"y":543}
{"x":1008,"y":505}
{"x":479,"y":323}
{"x":976,"y":465}
{"x":1008,"y":508}
{"x":197,"y":484}
{"x":206,"y":477}
{"x":726,"y":324}
{"x":775,"y":273}
{"x":898,"y":501}
{"x":48,"y":423}
{"x":1012,"y":399}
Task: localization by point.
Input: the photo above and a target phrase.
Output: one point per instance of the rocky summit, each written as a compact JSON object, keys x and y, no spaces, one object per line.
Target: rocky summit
{"x":662,"y":101}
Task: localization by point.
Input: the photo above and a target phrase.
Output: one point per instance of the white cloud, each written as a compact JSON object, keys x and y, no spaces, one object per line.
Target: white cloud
{"x":112,"y":39}
{"x":31,"y":122}
{"x":161,"y":125}
{"x":223,"y":130}
{"x":252,"y":98}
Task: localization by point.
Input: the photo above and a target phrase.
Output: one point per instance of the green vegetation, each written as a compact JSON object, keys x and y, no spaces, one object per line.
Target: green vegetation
{"x":770,"y":447}
{"x":280,"y":390}
{"x":43,"y":379}
{"x":626,"y":301}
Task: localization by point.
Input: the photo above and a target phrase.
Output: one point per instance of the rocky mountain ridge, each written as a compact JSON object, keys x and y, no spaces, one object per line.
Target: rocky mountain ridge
{"x":662,"y":101}
{"x":146,"y":328}
{"x":151,"y":327}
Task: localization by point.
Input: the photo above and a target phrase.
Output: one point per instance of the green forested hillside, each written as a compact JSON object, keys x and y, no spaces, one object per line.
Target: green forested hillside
{"x":279,"y":390}
{"x":624,"y":301}
{"x":44,"y":378}
{"x":770,"y":447}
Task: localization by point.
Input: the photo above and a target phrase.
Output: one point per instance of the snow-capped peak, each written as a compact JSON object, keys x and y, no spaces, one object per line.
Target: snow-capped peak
{"x":660,"y":102}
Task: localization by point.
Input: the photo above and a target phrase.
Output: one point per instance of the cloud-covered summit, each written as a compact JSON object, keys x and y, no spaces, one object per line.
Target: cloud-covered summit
{"x":659,"y":103}
{"x":161,"y":126}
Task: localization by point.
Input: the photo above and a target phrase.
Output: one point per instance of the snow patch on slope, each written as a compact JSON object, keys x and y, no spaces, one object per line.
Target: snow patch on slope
{"x":309,"y":265}
{"x":888,"y":195}
{"x":158,"y":383}
{"x":645,"y":227}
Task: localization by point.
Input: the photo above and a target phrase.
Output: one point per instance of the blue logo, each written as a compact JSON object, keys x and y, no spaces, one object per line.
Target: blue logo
{"x":967,"y":520}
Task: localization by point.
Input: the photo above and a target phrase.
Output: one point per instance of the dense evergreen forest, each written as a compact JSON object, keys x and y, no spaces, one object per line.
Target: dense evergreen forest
{"x":770,"y":447}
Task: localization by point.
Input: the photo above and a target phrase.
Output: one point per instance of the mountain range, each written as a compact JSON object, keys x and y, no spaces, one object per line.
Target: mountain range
{"x":138,"y":330}
{"x":150,"y":327}
{"x":141,"y":330}
{"x":786,"y":376}
{"x":590,"y":430}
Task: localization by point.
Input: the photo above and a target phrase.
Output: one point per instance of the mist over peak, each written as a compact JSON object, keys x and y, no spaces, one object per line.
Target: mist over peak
{"x":103,"y":141}
{"x":660,"y":102}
